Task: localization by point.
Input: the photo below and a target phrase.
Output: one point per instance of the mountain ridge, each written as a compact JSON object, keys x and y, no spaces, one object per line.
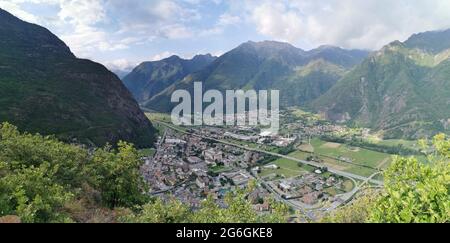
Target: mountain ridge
{"x":401,"y":90}
{"x":46,"y":89}
{"x":266,"y":65}
{"x":150,"y":78}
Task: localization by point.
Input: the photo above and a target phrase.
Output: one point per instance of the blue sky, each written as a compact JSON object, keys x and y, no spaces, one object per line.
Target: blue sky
{"x":121,"y":34}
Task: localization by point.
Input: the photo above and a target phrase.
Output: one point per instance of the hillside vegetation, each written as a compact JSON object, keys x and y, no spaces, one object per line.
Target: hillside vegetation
{"x":44,"y":180}
{"x":301,"y":76}
{"x":44,"y":88}
{"x":403,"y":90}
{"x":414,"y":192}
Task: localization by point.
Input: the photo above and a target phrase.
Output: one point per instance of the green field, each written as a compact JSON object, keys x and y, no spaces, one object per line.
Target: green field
{"x":288,"y":168}
{"x":158,"y":117}
{"x":334,"y":154}
{"x":327,"y":154}
{"x":411,"y":144}
{"x":165,"y":118}
{"x":357,"y":155}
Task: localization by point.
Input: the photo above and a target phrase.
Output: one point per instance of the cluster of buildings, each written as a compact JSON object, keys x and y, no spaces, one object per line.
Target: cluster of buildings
{"x":190,"y":168}
{"x":308,"y":126}
{"x":308,"y":188}
{"x":247,"y":134}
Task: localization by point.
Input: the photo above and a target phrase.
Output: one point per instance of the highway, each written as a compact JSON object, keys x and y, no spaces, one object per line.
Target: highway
{"x":310,"y":163}
{"x":308,"y":212}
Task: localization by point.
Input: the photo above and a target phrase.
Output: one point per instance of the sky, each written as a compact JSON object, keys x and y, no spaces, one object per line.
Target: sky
{"x":122,"y":33}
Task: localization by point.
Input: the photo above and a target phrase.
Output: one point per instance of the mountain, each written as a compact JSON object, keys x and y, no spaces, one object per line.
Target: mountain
{"x":44,"y":88}
{"x":150,"y":78}
{"x":433,"y":42}
{"x":403,"y":90}
{"x":120,"y":73}
{"x":299,"y":75}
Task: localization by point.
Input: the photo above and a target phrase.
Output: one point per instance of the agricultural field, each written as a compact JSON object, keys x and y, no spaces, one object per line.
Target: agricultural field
{"x":410,"y":144}
{"x":158,"y":117}
{"x":287,"y":169}
{"x":360,"y":160}
{"x":351,"y":154}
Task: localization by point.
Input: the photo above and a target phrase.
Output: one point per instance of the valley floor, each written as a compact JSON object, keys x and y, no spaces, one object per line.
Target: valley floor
{"x":297,"y":167}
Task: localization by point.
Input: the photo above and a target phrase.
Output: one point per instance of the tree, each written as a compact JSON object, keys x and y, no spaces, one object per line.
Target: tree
{"x":238,"y":210}
{"x":356,"y":212}
{"x":413,"y":191}
{"x":41,"y":176}
{"x":117,"y":176}
{"x":31,"y":194}
{"x":27,"y":150}
{"x":161,"y":212}
{"x":417,"y":192}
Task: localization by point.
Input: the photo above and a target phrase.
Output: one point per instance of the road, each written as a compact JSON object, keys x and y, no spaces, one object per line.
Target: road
{"x":346,"y":197}
{"x":310,"y":163}
{"x":308,"y":212}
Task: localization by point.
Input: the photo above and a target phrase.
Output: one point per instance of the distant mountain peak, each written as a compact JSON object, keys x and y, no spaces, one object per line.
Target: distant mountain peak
{"x":430,"y":41}
{"x":149,"y":78}
{"x":203,"y":56}
{"x":401,"y":90}
{"x":394,"y":45}
{"x":299,"y":75}
{"x":270,"y":44}
{"x":172,"y":58}
{"x":328,"y":47}
{"x":176,"y":58}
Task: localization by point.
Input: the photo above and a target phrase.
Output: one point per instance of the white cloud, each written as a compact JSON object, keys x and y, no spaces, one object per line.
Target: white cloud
{"x":348,"y":23}
{"x":89,"y":26}
{"x":121,"y":65}
{"x":228,"y":19}
{"x":14,"y":7}
{"x":82,"y":12}
{"x":175,"y":31}
{"x":161,"y":56}
{"x":225,"y":20}
{"x":95,"y":28}
{"x":276,"y":20}
{"x":218,"y":53}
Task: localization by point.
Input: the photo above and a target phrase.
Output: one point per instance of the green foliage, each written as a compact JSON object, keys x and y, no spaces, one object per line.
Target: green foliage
{"x":31,"y":194}
{"x":416,"y":192}
{"x":239,"y":210}
{"x":40,"y":175}
{"x":44,"y":180}
{"x":357,"y":211}
{"x":117,"y":176}
{"x":26,"y":150}
{"x":161,"y":212}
